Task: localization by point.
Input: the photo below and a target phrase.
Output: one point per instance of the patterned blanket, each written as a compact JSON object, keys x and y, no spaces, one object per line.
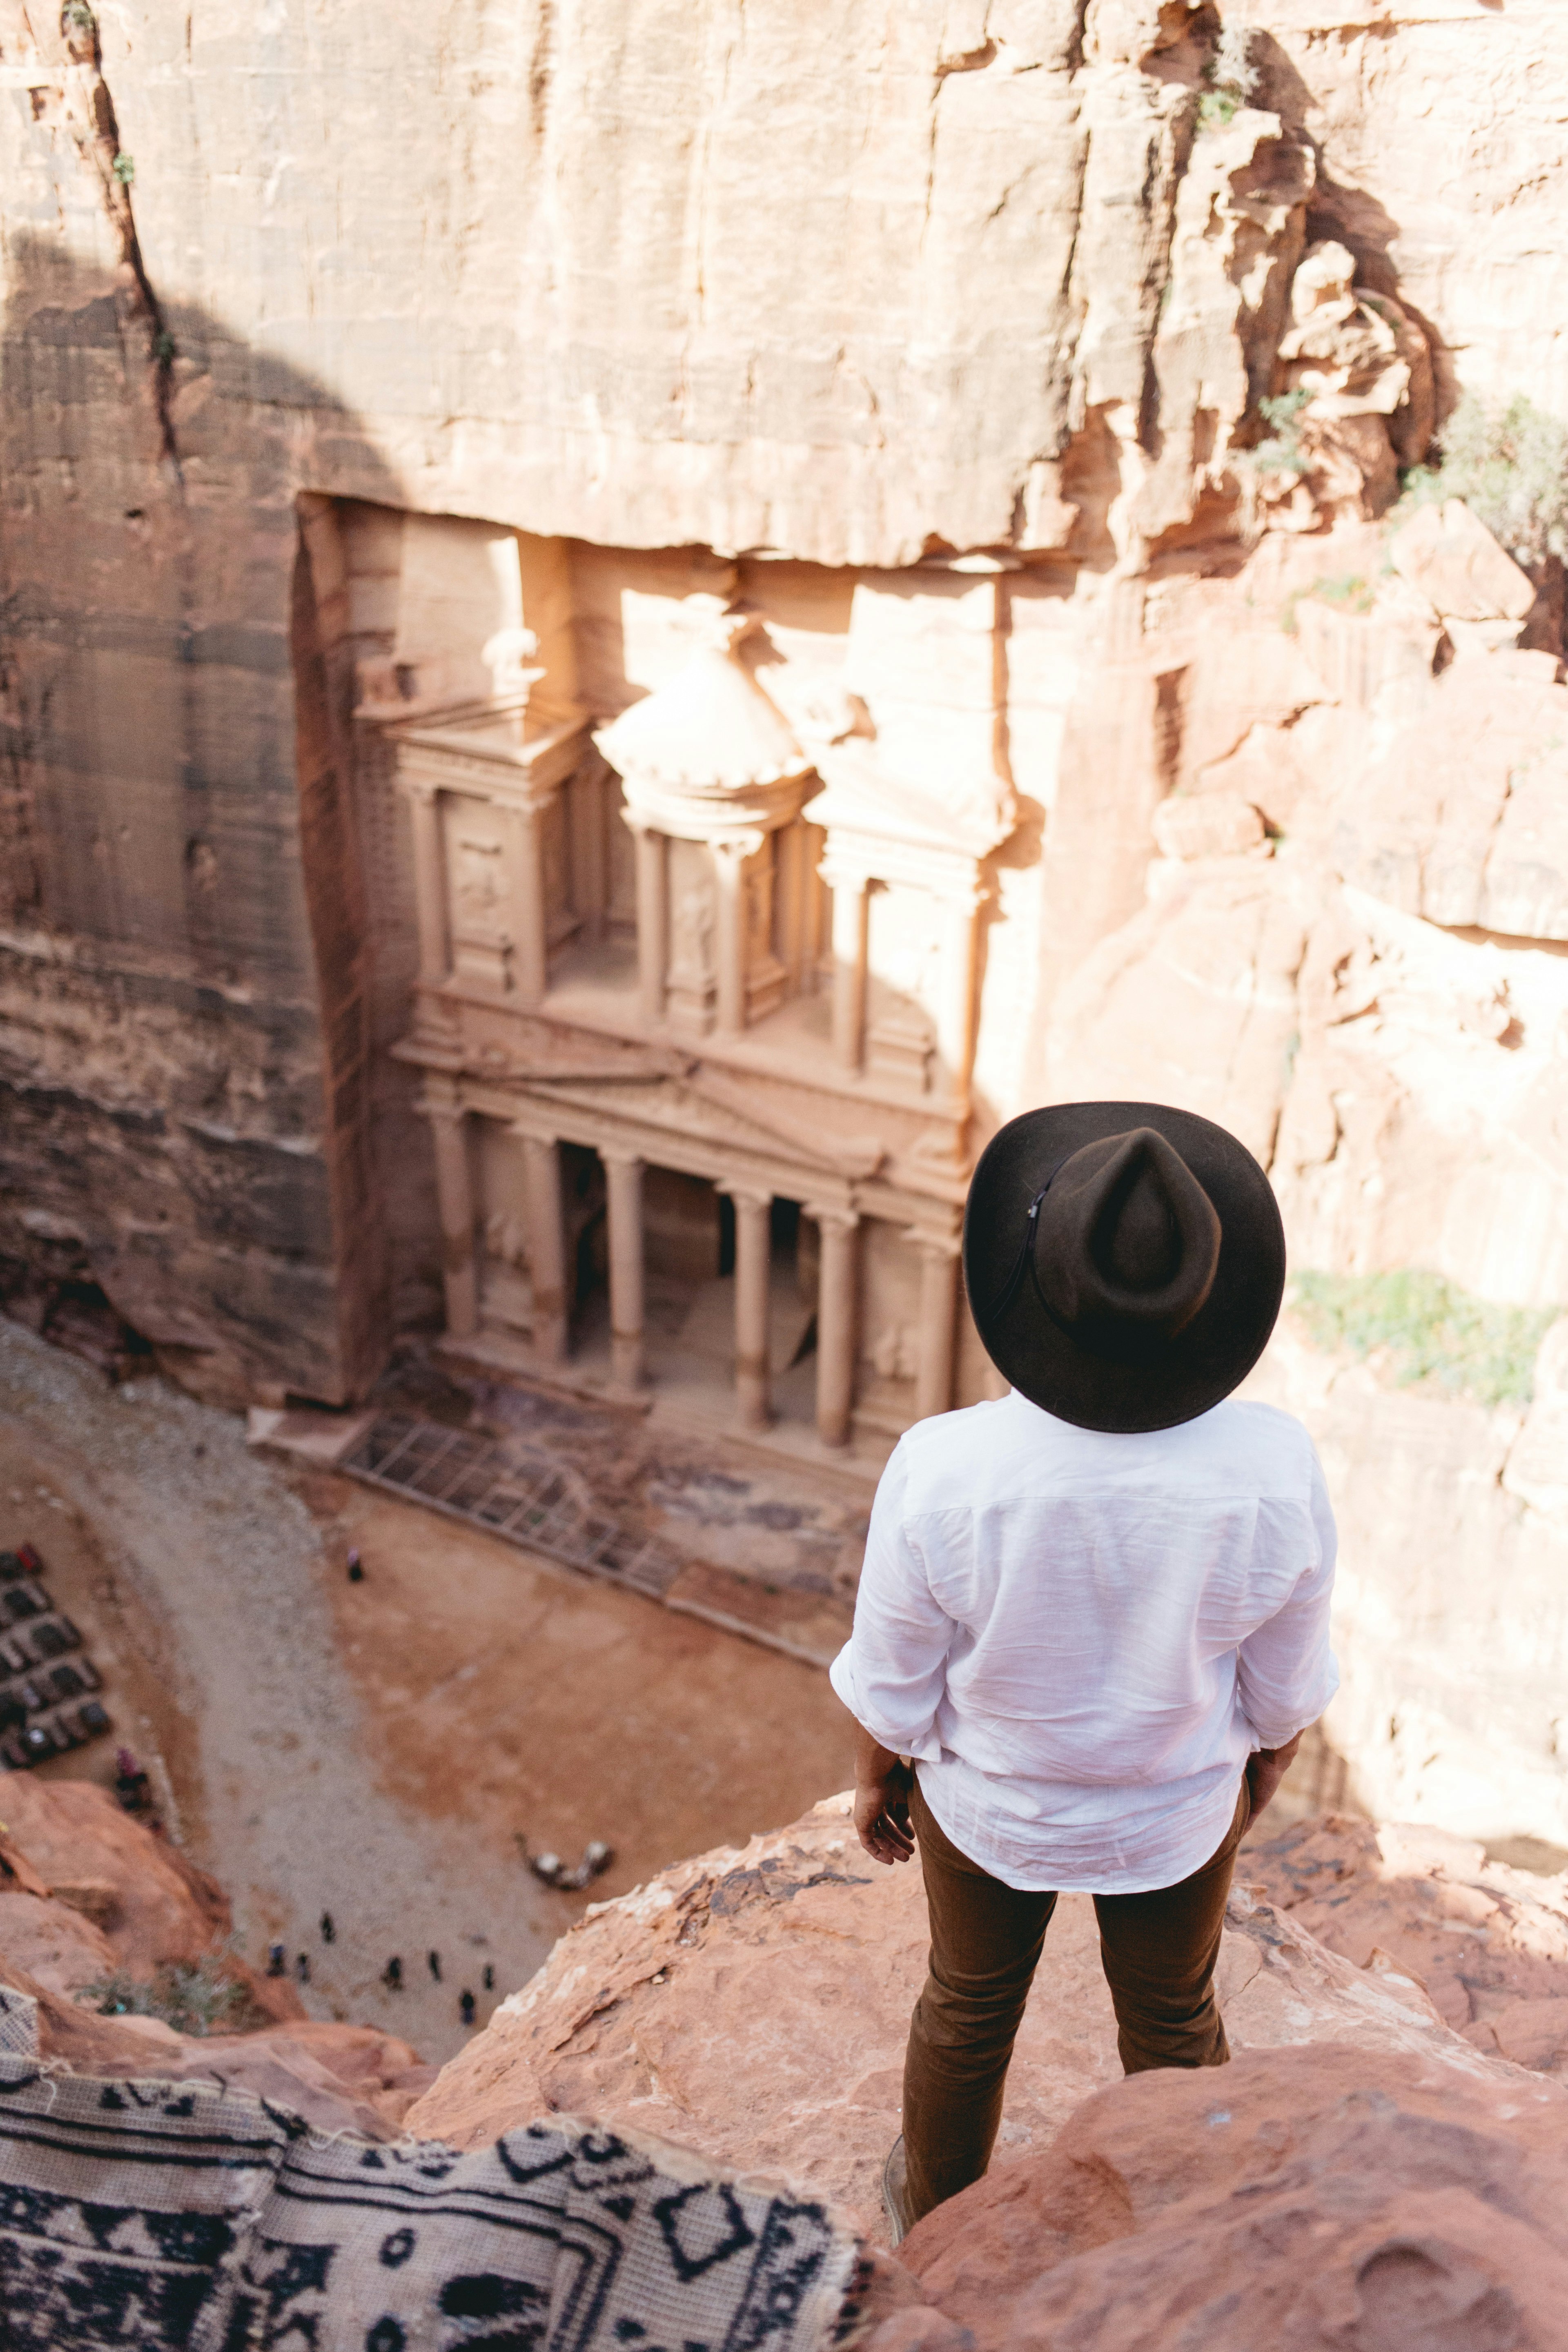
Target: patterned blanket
{"x":139,"y":2214}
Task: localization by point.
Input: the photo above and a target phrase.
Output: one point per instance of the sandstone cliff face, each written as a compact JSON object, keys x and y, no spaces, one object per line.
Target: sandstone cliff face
{"x":978,"y":274}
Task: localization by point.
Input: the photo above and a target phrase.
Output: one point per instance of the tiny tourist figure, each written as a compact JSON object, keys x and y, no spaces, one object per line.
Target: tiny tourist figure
{"x":466,"y":2003}
{"x":392,"y":1974}
{"x":329,"y":1933}
{"x":303,"y":1968}
{"x":356,"y":1572}
{"x":277,"y":1960}
{"x":489,"y":1979}
{"x":1093,"y":1620}
{"x":433,"y":1962}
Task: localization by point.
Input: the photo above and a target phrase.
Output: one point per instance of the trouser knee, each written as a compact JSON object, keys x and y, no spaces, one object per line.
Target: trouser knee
{"x":1148,"y":2039}
{"x":948,"y":2018}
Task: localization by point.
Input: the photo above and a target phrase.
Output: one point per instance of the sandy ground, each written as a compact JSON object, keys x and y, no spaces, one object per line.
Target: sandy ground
{"x":378,"y":1749}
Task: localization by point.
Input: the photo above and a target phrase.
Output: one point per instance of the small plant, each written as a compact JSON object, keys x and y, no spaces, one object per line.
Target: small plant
{"x":124,"y":168}
{"x":1509,"y":465}
{"x":1428,"y":1331}
{"x":164,"y":347}
{"x":1350,"y":590}
{"x":78,"y":17}
{"x":196,"y":1997}
{"x":1231,"y":77}
{"x":1281,"y":452}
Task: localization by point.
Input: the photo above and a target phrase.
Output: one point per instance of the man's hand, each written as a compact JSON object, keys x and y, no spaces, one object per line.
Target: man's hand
{"x":1267,"y":1766}
{"x":883,"y":1814}
{"x":881,"y":1800}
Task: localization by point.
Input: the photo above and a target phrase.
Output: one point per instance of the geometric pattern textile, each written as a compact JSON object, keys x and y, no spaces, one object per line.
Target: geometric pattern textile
{"x":143,"y":2215}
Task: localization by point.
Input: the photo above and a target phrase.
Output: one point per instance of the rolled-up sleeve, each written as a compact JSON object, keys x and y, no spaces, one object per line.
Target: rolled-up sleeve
{"x":1285,"y":1672}
{"x":891,"y":1672}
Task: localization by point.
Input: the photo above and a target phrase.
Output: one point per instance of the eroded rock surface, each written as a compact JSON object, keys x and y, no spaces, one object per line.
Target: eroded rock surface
{"x":1488,"y":1943}
{"x":756,"y":2004}
{"x":86,"y":1893}
{"x":1300,"y":2198}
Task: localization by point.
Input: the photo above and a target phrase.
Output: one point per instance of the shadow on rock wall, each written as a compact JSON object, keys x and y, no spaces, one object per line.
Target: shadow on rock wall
{"x":182,"y":1025}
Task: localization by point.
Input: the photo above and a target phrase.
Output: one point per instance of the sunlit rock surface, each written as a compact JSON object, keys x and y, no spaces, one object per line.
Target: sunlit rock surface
{"x":756,"y":2003}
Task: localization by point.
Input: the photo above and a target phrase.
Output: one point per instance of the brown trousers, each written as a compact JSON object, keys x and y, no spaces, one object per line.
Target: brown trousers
{"x":1158,"y":1951}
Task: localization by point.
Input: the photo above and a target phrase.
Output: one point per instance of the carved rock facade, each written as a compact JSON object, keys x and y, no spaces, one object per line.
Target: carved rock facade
{"x":566,"y":732}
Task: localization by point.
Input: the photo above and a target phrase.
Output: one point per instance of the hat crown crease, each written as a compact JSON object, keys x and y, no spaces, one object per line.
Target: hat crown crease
{"x":1128,"y":1240}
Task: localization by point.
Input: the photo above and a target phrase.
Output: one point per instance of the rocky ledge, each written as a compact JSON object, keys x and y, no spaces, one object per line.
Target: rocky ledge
{"x":755,"y":2003}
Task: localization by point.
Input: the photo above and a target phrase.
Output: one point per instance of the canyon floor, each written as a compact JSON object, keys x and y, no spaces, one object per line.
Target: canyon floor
{"x":378,"y":1749}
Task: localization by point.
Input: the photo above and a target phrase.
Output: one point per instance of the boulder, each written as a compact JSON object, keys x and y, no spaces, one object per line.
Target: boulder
{"x":1447,"y":554}
{"x":52,"y":1943}
{"x":1306,"y":2201}
{"x":756,"y":2004}
{"x":151,"y":1906}
{"x":1489,"y":1943}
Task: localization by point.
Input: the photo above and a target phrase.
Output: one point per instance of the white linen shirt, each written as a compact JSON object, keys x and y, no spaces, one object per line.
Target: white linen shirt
{"x":1081,"y":1637}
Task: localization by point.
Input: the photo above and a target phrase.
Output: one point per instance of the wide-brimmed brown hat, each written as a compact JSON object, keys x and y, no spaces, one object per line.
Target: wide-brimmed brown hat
{"x":1124,"y":1262}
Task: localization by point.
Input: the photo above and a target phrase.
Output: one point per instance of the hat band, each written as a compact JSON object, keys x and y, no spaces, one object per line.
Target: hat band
{"x":1026,"y":1258}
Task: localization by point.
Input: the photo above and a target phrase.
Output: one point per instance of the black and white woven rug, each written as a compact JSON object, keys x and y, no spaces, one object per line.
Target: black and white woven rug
{"x":143,"y":2215}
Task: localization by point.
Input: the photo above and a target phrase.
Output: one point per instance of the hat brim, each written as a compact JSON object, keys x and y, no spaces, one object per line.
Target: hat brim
{"x":1203,"y":1363}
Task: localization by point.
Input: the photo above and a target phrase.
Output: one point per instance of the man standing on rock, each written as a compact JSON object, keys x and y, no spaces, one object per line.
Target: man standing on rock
{"x":1094,"y":1614}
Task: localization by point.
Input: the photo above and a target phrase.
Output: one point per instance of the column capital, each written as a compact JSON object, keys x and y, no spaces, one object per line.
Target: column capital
{"x":447,"y":1104}
{"x":744,"y":1192}
{"x":737,"y":846}
{"x":965,"y":898}
{"x":840,"y":873}
{"x":621,"y":1156}
{"x":931,"y":1245}
{"x":833,"y":1214}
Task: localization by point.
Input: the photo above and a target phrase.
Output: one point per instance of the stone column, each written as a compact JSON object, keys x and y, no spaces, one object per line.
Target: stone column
{"x":430,"y":882}
{"x":795,"y":882}
{"x":835,"y":1323}
{"x":585,"y":809}
{"x":955,"y":1006}
{"x":653,"y":921}
{"x":730,"y":933}
{"x":753,"y":1266}
{"x":455,"y":1199}
{"x":939,"y":1303}
{"x":546,"y":1246}
{"x":624,"y":1178}
{"x":530,"y":914}
{"x":849,"y":911}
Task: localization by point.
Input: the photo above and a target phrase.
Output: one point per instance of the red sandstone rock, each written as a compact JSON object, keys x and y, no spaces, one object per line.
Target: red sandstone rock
{"x":156,"y":1906}
{"x":52,"y":1943}
{"x":1489,"y":1943}
{"x":755,"y":2004}
{"x":1209,"y":825}
{"x":1298,"y":2199}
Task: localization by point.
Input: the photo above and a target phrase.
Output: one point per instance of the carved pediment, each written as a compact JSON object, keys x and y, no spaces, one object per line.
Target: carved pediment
{"x":708,"y":1110}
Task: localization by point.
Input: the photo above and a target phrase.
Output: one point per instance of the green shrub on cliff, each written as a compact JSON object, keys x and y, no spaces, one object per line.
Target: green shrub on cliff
{"x":195,"y":1997}
{"x":1231,"y":77}
{"x":1509,"y":465}
{"x":1427,"y":1330}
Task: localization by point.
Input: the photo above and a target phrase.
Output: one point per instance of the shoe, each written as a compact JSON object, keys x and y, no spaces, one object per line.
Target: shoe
{"x":895,"y":2195}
